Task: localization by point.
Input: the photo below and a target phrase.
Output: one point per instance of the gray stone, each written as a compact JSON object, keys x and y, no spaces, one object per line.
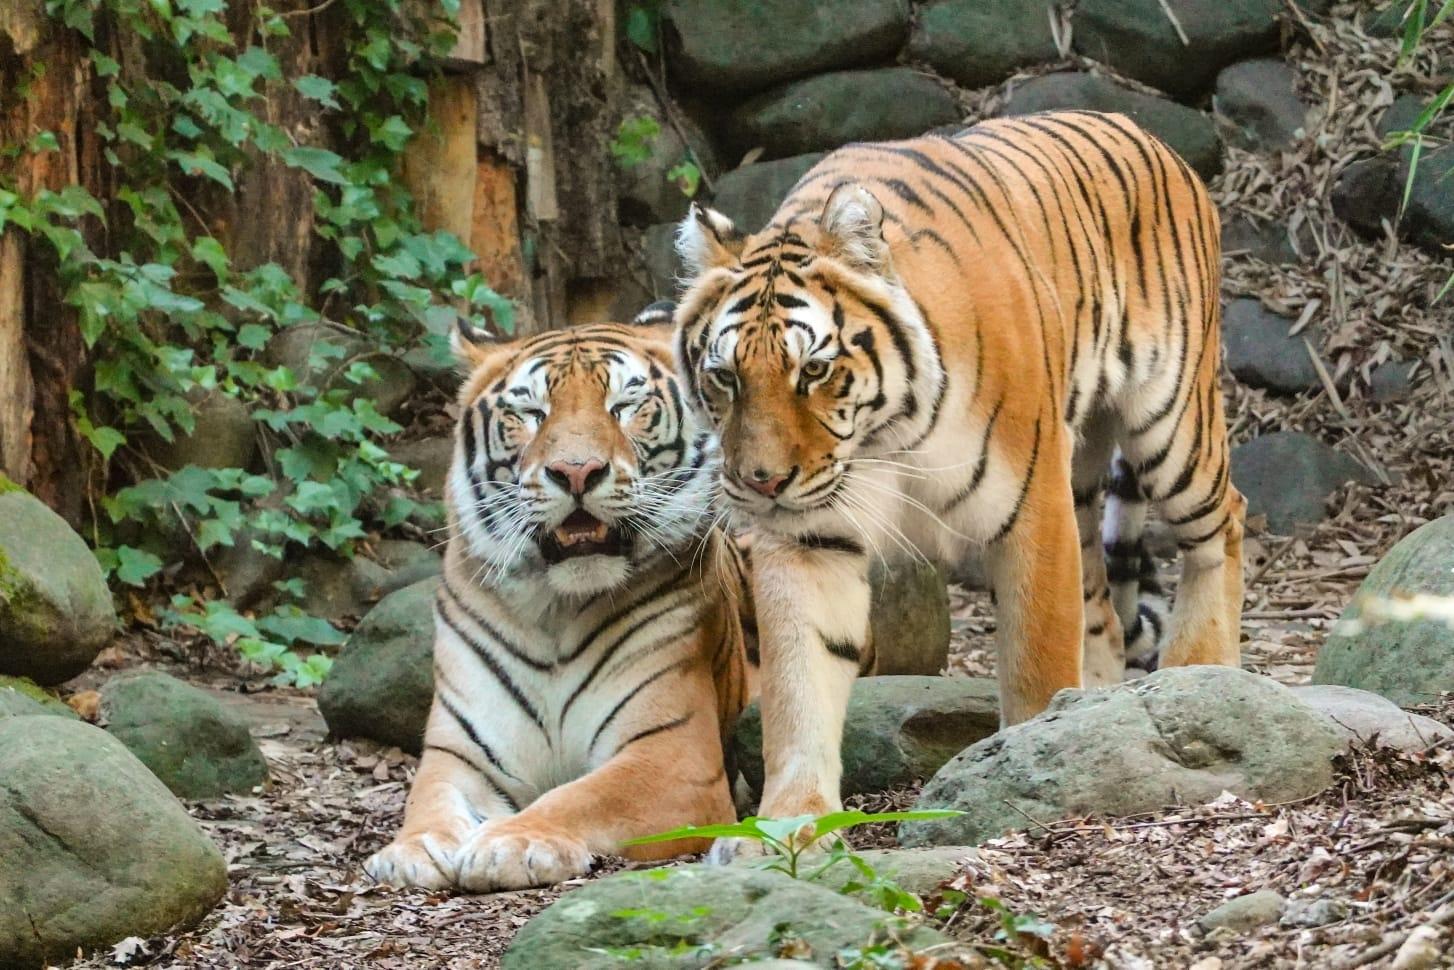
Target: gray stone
{"x":722,"y":46}
{"x":1258,"y":100}
{"x":919,"y":870}
{"x":682,"y":916}
{"x":644,"y":189}
{"x":1392,"y":380}
{"x":407,"y":562}
{"x":1369,"y":193}
{"x":980,"y":42}
{"x":55,"y":610}
{"x":1267,"y":241}
{"x":660,"y":260}
{"x":247,"y":572}
{"x":1428,"y":220}
{"x":823,"y":112}
{"x":1190,"y":133}
{"x":20,"y":697}
{"x":432,"y":457}
{"x":1261,"y":354}
{"x":382,"y":683}
{"x":1366,"y":193}
{"x":1288,"y":476}
{"x":750,"y":195}
{"x":298,"y":348}
{"x":1314,"y":912}
{"x":1137,"y":38}
{"x":1363,"y":716}
{"x":1389,"y":21}
{"x":336,"y":588}
{"x":1407,"y":662}
{"x":909,"y":617}
{"x":197,"y":747}
{"x":93,"y":848}
{"x":223,"y":436}
{"x":1180,"y":735}
{"x":1401,"y":115}
{"x":1245,"y":913}
{"x":898,"y":730}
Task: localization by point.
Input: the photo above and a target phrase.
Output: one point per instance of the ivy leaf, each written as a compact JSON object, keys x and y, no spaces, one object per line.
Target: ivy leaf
{"x":641,"y":27}
{"x":253,"y":336}
{"x":320,"y":163}
{"x":135,"y":566}
{"x":393,"y":133}
{"x":209,"y":252}
{"x":317,"y":88}
{"x":197,"y":163}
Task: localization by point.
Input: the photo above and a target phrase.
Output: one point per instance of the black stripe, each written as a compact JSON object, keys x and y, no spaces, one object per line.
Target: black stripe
{"x":815,"y":540}
{"x":504,"y":795}
{"x":473,"y":734}
{"x":606,"y":721}
{"x":492,"y":631}
{"x":658,"y":729}
{"x":493,"y":666}
{"x":842,"y":649}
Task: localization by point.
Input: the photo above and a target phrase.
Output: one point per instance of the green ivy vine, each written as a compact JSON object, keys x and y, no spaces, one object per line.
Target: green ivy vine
{"x":170,"y":315}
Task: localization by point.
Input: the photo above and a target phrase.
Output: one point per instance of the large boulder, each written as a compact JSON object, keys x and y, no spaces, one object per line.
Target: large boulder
{"x":828,"y":110}
{"x":431,"y":457}
{"x":382,"y":683}
{"x":723,"y":46}
{"x":1288,"y":476}
{"x":1261,"y":354}
{"x":679,"y":917}
{"x":1138,"y":38}
{"x":660,"y":260}
{"x":1259,"y":103}
{"x":55,"y":609}
{"x":1180,"y":735}
{"x":1364,"y":716}
{"x":93,"y":848}
{"x":750,"y":195}
{"x":20,"y":697}
{"x":339,"y":587}
{"x":1410,"y":661}
{"x":645,"y":189}
{"x":898,"y":730}
{"x":223,"y":435}
{"x":980,"y":42}
{"x":1190,"y":133}
{"x":318,"y":354}
{"x":909,"y":617}
{"x":197,"y":747}
{"x":408,"y":562}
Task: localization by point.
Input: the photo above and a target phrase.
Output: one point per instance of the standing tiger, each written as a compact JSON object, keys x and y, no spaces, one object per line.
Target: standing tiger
{"x":590,"y":649}
{"x":939,"y":344}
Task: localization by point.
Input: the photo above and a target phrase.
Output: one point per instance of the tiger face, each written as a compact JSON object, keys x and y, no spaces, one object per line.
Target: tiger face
{"x":576,"y":458}
{"x":803,"y":349}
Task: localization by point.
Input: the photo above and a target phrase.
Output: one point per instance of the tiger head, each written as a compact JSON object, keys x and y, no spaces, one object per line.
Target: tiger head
{"x":803,"y":348}
{"x":576,"y":458}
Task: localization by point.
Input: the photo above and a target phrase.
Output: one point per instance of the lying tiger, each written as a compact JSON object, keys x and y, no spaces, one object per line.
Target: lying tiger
{"x":941,"y":344}
{"x":592,"y":627}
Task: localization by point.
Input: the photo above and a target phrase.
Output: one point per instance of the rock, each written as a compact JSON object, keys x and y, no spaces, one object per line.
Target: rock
{"x":733,"y":910}
{"x":1401,"y":115}
{"x":1389,"y":22}
{"x":980,"y":42}
{"x":909,"y":617}
{"x":407,"y":562}
{"x":1360,"y":715}
{"x":20,"y":697}
{"x":382,"y":683}
{"x":660,"y":260}
{"x":93,"y":848}
{"x":920,"y":870}
{"x":1259,"y":102}
{"x":724,"y":46}
{"x":1261,"y":354}
{"x":644,"y":189}
{"x":1138,"y":38}
{"x":336,"y":588}
{"x":1368,"y":192}
{"x":898,"y":729}
{"x":318,"y":353}
{"x":247,"y":572}
{"x":197,"y":747}
{"x":1266,"y":241}
{"x":1407,"y":662}
{"x":828,"y":110}
{"x":1179,"y":735}
{"x":1392,"y":381}
{"x":1313,"y":912}
{"x":1245,"y":913}
{"x":1190,"y":133}
{"x":1428,"y":221}
{"x":750,"y":195}
{"x":223,"y":436}
{"x":432,"y":457}
{"x":1288,"y":476}
{"x":55,"y":609}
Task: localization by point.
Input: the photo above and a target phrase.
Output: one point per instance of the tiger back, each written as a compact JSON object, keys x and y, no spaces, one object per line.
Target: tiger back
{"x":590,"y":653}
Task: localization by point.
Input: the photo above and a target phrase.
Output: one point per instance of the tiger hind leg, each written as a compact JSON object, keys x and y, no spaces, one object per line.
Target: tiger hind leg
{"x":1103,"y":647}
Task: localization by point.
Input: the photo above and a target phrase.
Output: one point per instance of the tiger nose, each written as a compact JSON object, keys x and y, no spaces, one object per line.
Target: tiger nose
{"x":576,"y":477}
{"x":764,"y":482}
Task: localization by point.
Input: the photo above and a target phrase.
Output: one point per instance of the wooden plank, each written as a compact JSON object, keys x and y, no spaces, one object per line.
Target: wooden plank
{"x":17,"y":393}
{"x":470,"y":46}
{"x":495,"y":233}
{"x":439,"y":163}
{"x":541,"y":200}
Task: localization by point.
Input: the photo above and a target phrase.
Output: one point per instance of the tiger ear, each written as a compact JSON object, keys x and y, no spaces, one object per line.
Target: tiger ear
{"x":706,"y":239}
{"x":471,"y":345}
{"x":852,"y":227}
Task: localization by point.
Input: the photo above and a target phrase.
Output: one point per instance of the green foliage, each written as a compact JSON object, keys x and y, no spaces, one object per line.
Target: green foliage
{"x":169,"y":314}
{"x":643,"y":25}
{"x":633,"y":141}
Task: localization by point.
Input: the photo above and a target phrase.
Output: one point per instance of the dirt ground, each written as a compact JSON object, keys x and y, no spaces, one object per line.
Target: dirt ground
{"x":1379,"y":847}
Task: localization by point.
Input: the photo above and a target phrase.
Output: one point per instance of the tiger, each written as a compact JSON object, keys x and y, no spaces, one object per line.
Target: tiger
{"x":593,"y":626}
{"x":941,"y":346}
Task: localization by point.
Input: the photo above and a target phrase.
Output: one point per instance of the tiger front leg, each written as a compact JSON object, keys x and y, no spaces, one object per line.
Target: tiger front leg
{"x":812,"y":618}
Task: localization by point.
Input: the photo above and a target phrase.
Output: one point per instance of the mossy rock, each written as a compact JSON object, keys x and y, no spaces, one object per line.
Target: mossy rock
{"x":21,"y":697}
{"x":55,"y":610}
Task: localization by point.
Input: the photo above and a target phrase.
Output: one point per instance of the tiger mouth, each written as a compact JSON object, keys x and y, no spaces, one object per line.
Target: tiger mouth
{"x":582,"y":534}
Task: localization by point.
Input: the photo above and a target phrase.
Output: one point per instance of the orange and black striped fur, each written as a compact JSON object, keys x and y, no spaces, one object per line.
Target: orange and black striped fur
{"x":593,"y":628}
{"x":940,"y":344}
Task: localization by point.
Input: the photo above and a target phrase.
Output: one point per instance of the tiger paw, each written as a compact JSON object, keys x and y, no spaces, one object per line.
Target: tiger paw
{"x":425,"y":861}
{"x":508,"y":854}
